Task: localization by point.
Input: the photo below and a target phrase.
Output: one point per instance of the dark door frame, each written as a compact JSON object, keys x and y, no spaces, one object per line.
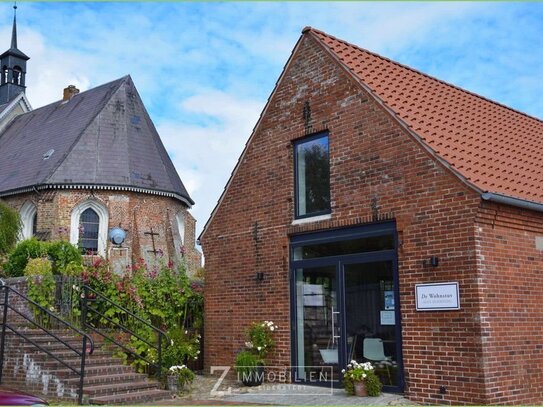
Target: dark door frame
{"x":371,"y":230}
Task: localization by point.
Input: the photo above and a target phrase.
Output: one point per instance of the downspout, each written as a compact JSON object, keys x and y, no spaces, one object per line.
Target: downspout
{"x":508,"y":200}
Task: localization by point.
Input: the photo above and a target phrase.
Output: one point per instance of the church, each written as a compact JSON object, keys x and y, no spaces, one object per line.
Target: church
{"x":88,"y":164}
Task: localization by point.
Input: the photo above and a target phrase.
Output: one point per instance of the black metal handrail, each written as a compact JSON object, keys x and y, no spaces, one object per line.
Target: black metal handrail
{"x":85,"y":324}
{"x":86,"y":339}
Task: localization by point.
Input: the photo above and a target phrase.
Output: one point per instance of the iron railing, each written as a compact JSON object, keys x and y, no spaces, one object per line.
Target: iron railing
{"x":92,"y":319}
{"x":87,"y":343}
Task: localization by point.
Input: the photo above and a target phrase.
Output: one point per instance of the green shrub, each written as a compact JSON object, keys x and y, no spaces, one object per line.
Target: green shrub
{"x":373,"y":385}
{"x":10,"y":226}
{"x":247,"y":362}
{"x":61,"y":254}
{"x":18,"y":258}
{"x":41,"y":286}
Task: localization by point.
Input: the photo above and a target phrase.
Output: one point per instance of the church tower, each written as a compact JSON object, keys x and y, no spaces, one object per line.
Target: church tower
{"x":13,"y":65}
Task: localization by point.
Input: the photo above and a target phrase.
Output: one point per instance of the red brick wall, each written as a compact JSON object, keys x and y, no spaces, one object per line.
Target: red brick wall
{"x":373,"y":163}
{"x":136,"y":213}
{"x":511,"y":275}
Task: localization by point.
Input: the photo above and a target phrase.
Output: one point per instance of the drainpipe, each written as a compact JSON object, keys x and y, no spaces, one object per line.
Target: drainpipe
{"x":508,"y":200}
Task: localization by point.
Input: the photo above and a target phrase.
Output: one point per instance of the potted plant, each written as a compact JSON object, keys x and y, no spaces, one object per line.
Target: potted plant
{"x":250,"y":368}
{"x":250,"y":362}
{"x":360,"y":379}
{"x":179,"y":377}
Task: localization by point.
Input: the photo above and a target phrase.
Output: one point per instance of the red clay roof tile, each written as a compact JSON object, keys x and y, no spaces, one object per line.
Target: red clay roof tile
{"x":497,"y":149}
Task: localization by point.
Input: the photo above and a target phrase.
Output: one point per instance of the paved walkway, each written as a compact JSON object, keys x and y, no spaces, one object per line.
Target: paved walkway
{"x":232,"y":393}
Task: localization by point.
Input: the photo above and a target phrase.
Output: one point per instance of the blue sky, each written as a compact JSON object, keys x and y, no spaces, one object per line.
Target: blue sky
{"x":205,"y":70}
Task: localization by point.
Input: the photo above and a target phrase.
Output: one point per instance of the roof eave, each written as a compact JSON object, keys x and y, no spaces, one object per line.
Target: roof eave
{"x":111,"y":187}
{"x":512,"y":201}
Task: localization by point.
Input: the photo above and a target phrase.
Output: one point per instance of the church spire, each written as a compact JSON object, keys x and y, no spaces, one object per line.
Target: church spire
{"x":14,"y":30}
{"x":13,"y":67}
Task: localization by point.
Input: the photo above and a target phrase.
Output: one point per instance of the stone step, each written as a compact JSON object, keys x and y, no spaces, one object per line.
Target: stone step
{"x":91,"y":371}
{"x":54,"y":345}
{"x":51,"y":363}
{"x":136,"y":397}
{"x":109,"y":378}
{"x":125,"y":387}
{"x":37,"y":354}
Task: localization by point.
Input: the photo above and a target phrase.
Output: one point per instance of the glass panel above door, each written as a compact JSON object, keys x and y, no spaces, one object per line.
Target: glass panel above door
{"x":344,"y":247}
{"x":318,"y":327}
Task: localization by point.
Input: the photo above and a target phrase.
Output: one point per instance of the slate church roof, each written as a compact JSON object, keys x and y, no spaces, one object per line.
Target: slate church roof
{"x":494,"y":148}
{"x":102,"y":138}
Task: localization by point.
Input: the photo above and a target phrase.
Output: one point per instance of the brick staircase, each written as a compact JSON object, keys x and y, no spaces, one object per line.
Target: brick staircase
{"x":107,"y":379}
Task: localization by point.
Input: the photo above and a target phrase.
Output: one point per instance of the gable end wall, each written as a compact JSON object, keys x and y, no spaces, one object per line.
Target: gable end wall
{"x":374,"y":164}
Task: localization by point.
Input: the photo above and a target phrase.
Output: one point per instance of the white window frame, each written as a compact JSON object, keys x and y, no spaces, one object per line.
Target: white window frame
{"x":27,"y":213}
{"x":103,"y":216}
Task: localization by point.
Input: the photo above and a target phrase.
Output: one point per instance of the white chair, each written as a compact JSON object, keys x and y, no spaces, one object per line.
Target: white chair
{"x":374,"y":351}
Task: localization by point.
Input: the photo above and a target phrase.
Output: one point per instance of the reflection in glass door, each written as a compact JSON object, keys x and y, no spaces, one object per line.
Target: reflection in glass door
{"x":370,"y":317}
{"x":344,"y":303}
{"x":317,"y":324}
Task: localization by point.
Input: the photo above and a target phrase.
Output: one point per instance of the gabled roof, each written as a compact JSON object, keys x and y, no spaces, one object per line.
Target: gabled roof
{"x":102,"y":138}
{"x":494,"y":148}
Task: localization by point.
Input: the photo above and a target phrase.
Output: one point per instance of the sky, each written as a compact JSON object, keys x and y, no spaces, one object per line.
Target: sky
{"x":205,"y":70}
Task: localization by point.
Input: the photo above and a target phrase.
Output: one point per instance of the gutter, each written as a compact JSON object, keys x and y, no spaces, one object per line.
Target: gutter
{"x":509,"y":200}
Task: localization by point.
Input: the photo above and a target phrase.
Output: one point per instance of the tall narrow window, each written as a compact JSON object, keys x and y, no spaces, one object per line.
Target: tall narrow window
{"x":312,"y":166}
{"x":89,"y":226}
{"x":89,"y":223}
{"x":29,"y":220}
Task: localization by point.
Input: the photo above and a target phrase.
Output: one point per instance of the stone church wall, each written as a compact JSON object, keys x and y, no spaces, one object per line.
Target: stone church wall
{"x":138,"y":214}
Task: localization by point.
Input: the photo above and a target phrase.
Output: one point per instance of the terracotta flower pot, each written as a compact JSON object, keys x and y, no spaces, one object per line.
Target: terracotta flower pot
{"x":360,"y":389}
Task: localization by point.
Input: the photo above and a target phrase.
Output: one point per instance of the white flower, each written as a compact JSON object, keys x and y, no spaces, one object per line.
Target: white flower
{"x":343,"y":371}
{"x":52,"y":309}
{"x":198,"y":352}
{"x":259,"y":348}
{"x":271,"y":328}
{"x":171,"y":342}
{"x":364,"y":375}
{"x":186,"y":332}
{"x":249,"y":345}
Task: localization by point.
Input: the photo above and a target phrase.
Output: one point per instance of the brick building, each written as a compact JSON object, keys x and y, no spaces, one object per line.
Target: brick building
{"x":379,"y":213}
{"x":88,"y":163}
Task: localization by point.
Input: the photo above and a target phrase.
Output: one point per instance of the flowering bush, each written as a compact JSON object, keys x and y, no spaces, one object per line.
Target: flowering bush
{"x":183,"y":373}
{"x":159,"y":294}
{"x":361,"y":372}
{"x":260,"y":337}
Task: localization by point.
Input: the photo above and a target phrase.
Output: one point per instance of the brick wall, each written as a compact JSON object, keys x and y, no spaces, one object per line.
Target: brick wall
{"x":136,"y":213}
{"x":511,"y":295}
{"x":377,"y":172}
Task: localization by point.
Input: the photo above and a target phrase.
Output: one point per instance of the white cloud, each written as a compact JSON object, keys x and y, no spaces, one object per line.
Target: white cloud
{"x":49,"y":70}
{"x":205,"y":155}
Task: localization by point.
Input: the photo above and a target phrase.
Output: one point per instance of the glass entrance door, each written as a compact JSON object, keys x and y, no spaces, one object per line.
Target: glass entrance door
{"x":345,"y":304}
{"x":370,"y":318}
{"x":318,"y":324}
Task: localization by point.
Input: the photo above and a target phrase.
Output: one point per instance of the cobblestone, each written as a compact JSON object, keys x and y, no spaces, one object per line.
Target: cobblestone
{"x":231,"y":392}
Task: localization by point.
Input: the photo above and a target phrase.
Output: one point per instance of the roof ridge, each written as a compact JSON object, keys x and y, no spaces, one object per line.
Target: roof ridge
{"x":120,"y":80}
{"x":317,"y":31}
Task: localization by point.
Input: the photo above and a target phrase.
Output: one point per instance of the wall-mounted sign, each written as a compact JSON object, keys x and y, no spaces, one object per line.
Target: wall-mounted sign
{"x":437,"y":296}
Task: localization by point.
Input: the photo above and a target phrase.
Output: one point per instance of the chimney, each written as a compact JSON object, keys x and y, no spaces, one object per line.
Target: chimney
{"x":70,"y":92}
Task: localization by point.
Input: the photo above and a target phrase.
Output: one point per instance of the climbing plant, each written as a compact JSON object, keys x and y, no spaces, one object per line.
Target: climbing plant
{"x":10,"y":226}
